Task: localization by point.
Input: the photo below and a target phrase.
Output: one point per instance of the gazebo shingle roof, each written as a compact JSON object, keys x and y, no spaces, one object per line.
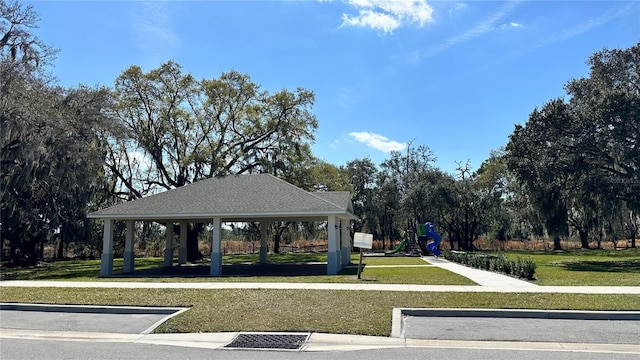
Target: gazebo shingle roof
{"x":234,"y":198}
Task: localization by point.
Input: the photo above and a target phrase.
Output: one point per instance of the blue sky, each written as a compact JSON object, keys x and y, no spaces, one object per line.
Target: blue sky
{"x":453,"y":75}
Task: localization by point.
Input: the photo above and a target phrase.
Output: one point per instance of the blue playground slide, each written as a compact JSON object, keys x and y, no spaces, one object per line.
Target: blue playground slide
{"x":428,"y":231}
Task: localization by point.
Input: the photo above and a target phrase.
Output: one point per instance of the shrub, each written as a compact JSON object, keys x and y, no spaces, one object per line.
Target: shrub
{"x":521,"y":267}
{"x":505,"y":265}
{"x":526,"y":268}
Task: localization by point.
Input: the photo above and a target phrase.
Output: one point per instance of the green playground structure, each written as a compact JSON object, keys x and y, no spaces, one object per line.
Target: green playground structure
{"x":398,"y":248}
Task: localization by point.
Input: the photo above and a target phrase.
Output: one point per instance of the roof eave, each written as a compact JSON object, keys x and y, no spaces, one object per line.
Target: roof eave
{"x":298,"y":216}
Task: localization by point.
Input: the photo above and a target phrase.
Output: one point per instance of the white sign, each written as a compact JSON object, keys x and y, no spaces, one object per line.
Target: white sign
{"x":363,"y":240}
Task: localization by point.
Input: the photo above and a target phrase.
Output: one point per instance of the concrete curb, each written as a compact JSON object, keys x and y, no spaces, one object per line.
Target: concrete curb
{"x":399,"y":314}
{"x":94,"y":309}
{"x":524,"y":313}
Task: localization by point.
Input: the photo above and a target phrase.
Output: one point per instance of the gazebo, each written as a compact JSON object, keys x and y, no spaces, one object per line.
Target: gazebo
{"x":261,"y":198}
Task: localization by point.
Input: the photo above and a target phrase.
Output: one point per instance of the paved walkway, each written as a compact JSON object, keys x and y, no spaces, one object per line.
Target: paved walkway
{"x":481,"y":277}
{"x":487,"y":282}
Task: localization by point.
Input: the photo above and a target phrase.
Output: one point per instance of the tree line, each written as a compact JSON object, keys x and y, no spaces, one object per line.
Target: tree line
{"x":573,"y":167}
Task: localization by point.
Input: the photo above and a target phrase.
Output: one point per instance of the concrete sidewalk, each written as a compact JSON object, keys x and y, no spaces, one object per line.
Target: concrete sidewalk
{"x":632,"y":290}
{"x":480,"y":277}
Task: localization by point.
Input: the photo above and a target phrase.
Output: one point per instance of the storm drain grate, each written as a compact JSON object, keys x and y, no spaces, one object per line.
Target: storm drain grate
{"x":268,"y":341}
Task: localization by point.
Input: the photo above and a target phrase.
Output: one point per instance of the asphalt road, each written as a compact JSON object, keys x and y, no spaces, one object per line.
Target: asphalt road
{"x":12,"y":349}
{"x":453,"y":338}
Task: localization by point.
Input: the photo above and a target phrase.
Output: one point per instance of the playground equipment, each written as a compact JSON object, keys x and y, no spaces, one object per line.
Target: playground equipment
{"x":398,"y":248}
{"x":408,"y":246}
{"x":425,"y":232}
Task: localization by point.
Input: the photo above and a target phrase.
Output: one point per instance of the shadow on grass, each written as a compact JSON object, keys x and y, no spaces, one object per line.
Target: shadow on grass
{"x":69,"y":269}
{"x":237,"y":271}
{"x":286,"y":265}
{"x":285,"y":258}
{"x":52,"y":271}
{"x":625,"y":266}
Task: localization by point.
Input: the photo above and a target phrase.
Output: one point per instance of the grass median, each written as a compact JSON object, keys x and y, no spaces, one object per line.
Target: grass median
{"x":326,"y":311}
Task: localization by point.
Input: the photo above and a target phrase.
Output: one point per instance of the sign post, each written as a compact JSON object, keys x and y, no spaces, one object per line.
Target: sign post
{"x":362,"y":241}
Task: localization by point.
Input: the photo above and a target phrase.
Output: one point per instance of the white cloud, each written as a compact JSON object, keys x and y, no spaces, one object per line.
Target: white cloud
{"x":457,"y":8}
{"x":388,"y":15}
{"x":372,"y":19}
{"x":488,"y":24}
{"x":630,"y":9}
{"x":377,"y":141}
{"x":510,"y":25}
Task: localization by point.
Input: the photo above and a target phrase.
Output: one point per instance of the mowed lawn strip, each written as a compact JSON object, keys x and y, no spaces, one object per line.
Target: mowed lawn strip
{"x":414,"y":275}
{"x":417,"y":271}
{"x":326,"y":311}
{"x":389,"y":260}
{"x":584,"y":267}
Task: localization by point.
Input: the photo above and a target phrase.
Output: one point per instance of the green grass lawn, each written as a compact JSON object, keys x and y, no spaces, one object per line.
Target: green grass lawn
{"x":89,"y":270}
{"x":328,"y":311}
{"x":358,"y":312}
{"x":585,"y":267}
{"x":389,"y":260}
{"x":581,"y":267}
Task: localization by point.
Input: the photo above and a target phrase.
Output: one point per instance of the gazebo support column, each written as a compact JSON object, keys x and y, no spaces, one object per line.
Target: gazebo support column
{"x":106,"y":260}
{"x":216,"y":248}
{"x":168,"y":249}
{"x":263,"y":242}
{"x":345,"y":242}
{"x":129,"y":255}
{"x":182,"y":250}
{"x":333,"y":254}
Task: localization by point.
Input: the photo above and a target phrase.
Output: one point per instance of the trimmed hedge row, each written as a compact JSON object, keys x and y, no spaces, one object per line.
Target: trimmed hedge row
{"x":521,"y":267}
